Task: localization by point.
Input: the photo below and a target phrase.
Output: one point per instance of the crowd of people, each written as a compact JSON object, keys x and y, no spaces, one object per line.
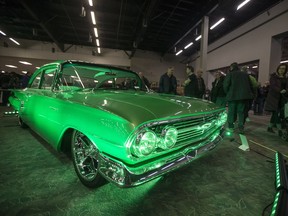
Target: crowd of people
{"x":11,"y":80}
{"x":237,"y":90}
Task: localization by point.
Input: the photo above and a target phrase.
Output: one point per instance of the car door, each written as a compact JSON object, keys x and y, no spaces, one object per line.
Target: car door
{"x":36,"y":103}
{"x":47,"y":108}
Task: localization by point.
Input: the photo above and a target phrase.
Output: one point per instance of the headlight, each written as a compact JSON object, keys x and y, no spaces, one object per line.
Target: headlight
{"x":145,"y":143}
{"x":169,"y":138}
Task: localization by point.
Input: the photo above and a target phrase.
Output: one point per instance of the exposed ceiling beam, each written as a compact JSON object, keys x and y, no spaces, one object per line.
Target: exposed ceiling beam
{"x":32,"y":7}
{"x":189,"y":31}
{"x":147,"y":16}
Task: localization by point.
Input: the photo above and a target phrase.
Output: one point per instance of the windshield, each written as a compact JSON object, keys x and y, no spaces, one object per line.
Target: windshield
{"x":89,"y":76}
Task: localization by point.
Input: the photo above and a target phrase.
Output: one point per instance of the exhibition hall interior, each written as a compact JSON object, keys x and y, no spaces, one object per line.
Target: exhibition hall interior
{"x":144,"y":107}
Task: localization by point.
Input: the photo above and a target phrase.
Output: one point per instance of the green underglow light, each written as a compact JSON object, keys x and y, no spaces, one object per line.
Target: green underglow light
{"x":228,"y":133}
{"x":277,"y":168}
{"x":275,"y":204}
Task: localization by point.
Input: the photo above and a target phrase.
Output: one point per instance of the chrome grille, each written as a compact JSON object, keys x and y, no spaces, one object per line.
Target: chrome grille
{"x":191,"y":130}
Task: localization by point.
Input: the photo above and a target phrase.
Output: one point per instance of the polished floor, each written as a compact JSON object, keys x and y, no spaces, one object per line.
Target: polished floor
{"x":37,"y":180}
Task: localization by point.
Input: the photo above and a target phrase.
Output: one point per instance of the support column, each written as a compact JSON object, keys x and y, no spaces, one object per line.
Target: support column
{"x":204,"y":46}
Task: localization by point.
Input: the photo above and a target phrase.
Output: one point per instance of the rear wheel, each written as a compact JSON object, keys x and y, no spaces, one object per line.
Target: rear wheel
{"x":85,"y":160}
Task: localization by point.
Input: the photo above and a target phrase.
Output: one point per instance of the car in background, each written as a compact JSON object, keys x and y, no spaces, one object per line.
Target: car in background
{"x":114,"y":127}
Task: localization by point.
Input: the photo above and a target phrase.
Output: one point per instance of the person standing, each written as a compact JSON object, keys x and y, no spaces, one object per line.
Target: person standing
{"x":194,"y":86}
{"x":168,"y":82}
{"x":25,"y":79}
{"x":258,"y":105}
{"x":218,"y":95}
{"x":201,"y":88}
{"x":254,"y":84}
{"x":144,"y":80}
{"x":238,"y":89}
{"x":276,"y":98}
{"x":189,"y":86}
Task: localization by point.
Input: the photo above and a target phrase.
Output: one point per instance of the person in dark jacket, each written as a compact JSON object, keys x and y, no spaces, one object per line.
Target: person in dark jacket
{"x":168,"y":82}
{"x":276,"y":98}
{"x":144,"y":80}
{"x":188,"y":84}
{"x":194,"y":86}
{"x":254,"y":84}
{"x":258,"y":105}
{"x":218,"y":95}
{"x":238,"y":89}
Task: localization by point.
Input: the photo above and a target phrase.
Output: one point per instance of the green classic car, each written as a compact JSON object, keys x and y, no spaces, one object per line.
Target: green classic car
{"x":114,"y":127}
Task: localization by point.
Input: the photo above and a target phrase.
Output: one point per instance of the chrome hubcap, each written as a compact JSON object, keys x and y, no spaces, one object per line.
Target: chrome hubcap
{"x":85,"y":156}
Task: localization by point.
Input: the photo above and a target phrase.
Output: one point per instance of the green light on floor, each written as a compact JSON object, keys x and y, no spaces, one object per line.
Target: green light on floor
{"x":228,"y":133}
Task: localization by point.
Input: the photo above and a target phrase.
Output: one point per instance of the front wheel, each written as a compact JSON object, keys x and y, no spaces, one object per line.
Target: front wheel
{"x":85,"y":160}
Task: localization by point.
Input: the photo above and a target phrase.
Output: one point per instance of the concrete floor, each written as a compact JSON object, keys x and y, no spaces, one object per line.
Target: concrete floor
{"x":37,"y":180}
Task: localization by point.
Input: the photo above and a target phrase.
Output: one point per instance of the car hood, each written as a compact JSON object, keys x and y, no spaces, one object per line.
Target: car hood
{"x":139,"y":107}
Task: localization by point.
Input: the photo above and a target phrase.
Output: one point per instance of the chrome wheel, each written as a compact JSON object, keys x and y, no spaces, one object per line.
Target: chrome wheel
{"x":85,"y":160}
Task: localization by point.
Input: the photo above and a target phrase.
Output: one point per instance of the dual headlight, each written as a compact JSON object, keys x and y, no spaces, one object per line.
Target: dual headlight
{"x":147,"y":141}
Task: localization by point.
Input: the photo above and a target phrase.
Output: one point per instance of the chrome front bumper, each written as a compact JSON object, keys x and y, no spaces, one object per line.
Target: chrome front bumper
{"x":128,"y":176}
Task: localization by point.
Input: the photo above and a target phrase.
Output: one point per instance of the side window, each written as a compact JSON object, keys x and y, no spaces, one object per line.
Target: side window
{"x":36,"y":81}
{"x":44,"y":80}
{"x":70,"y":80}
{"x":48,"y":79}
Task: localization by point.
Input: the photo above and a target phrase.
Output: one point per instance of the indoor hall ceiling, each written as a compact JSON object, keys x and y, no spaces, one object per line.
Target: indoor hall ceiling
{"x":128,"y":25}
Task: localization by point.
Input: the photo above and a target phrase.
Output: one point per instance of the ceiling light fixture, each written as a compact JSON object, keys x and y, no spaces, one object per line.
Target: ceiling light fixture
{"x":242,"y":4}
{"x":96,"y":32}
{"x":90,"y":3}
{"x":11,"y":66}
{"x":188,"y":45}
{"x":217,"y":23}
{"x":24,"y":62}
{"x":98,"y":49}
{"x":285,"y":61}
{"x":198,"y":38}
{"x":179,"y":52}
{"x":16,"y":42}
{"x":255,"y":66}
{"x":25,"y":72}
{"x":1,"y":32}
{"x":93,"y":17}
{"x":97,"y":42}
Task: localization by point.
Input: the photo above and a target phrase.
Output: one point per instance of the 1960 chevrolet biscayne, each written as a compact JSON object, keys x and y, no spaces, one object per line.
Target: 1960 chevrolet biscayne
{"x":113,"y":125}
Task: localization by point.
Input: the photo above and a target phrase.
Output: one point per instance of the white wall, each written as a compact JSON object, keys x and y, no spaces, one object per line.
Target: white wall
{"x":150,"y":63}
{"x":153,"y":65}
{"x":251,"y":41}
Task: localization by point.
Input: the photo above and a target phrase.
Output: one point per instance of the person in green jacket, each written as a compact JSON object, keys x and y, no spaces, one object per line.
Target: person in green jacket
{"x":254,"y":85}
{"x":238,"y":89}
